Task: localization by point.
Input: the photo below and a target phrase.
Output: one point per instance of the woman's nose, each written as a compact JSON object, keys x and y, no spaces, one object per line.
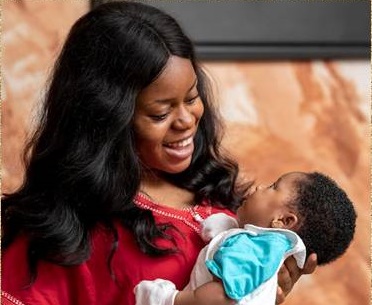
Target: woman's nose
{"x":184,"y":119}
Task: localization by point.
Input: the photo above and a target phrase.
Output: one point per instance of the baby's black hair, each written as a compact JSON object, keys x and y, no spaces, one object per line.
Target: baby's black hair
{"x":327,"y":217}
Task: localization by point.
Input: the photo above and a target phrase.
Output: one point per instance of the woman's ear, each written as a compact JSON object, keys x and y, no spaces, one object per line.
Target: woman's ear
{"x":288,"y":221}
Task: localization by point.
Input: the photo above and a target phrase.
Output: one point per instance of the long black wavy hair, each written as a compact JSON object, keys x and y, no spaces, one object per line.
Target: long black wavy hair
{"x":82,"y":168}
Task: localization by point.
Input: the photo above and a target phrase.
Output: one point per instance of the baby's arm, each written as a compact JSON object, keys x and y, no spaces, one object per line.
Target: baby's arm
{"x":215,"y":224}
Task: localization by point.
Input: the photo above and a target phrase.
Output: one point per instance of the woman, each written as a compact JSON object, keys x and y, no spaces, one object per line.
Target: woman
{"x":123,"y":166}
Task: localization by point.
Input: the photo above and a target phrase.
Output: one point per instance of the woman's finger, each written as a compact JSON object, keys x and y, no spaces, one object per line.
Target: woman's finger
{"x":310,"y":264}
{"x":280,"y":297}
{"x":293,"y":270}
{"x":284,"y":280}
{"x":289,"y":273}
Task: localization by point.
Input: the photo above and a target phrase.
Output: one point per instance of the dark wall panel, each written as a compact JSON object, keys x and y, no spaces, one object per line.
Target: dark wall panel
{"x":273,"y":29}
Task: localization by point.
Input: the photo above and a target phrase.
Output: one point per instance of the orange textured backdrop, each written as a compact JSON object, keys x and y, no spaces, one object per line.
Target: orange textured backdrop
{"x":280,"y":116}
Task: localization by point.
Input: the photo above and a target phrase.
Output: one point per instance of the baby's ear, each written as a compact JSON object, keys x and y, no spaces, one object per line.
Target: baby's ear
{"x":277,"y":223}
{"x":288,"y":221}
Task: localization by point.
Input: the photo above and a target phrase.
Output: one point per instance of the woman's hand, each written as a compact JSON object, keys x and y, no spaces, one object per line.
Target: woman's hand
{"x":289,"y":274}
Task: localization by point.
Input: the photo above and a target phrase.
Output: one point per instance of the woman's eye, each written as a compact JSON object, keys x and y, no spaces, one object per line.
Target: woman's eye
{"x":193,"y":99}
{"x":159,"y":117}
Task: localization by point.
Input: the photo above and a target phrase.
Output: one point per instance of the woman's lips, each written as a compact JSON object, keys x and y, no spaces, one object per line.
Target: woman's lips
{"x":180,"y":149}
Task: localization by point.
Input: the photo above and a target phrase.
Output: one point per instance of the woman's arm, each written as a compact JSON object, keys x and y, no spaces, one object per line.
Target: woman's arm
{"x":211,"y":293}
{"x":164,"y":292}
{"x":289,"y":274}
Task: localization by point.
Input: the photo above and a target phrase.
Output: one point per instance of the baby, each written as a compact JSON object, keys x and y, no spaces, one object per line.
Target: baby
{"x":298,"y":210}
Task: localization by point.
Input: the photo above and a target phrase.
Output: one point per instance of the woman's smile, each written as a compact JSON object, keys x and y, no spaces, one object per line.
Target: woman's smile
{"x":180,"y":143}
{"x":181,"y":149}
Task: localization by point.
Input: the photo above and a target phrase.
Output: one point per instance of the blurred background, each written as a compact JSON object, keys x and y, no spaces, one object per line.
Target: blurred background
{"x":288,"y":105}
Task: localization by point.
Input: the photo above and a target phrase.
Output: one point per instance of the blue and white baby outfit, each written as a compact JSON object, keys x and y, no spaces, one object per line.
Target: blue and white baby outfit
{"x":247,"y":262}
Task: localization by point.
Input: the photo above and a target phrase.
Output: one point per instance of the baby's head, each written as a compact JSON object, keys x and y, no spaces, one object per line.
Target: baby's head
{"x":310,"y":204}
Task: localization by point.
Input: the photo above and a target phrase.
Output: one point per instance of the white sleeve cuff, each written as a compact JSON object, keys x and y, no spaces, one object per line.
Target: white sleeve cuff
{"x":157,"y":292}
{"x":215,"y":224}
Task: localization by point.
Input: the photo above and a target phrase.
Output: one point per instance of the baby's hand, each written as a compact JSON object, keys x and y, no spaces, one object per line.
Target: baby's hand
{"x":157,"y":292}
{"x":215,"y":224}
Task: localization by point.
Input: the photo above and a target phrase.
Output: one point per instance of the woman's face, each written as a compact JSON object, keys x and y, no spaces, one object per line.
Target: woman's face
{"x":166,"y":118}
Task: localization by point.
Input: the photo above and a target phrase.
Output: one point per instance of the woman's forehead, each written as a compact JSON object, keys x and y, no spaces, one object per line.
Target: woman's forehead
{"x":178,"y":77}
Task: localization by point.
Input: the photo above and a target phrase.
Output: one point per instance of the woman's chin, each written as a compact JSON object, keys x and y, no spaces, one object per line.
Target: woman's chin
{"x":179,"y":168}
{"x":172,"y":168}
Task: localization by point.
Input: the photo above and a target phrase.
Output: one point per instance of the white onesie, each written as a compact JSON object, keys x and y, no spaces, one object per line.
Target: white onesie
{"x":246,"y":260}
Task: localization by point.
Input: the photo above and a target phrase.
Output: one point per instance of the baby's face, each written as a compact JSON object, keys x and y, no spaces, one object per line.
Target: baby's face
{"x":267,"y":203}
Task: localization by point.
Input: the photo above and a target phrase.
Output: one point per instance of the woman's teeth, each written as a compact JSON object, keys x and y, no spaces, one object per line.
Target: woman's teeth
{"x":180,"y":143}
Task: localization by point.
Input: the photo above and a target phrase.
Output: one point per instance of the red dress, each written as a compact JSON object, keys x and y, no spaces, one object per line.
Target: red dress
{"x":91,"y":283}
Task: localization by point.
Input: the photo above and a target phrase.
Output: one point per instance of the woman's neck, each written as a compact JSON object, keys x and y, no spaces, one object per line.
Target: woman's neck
{"x":165,"y":193}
